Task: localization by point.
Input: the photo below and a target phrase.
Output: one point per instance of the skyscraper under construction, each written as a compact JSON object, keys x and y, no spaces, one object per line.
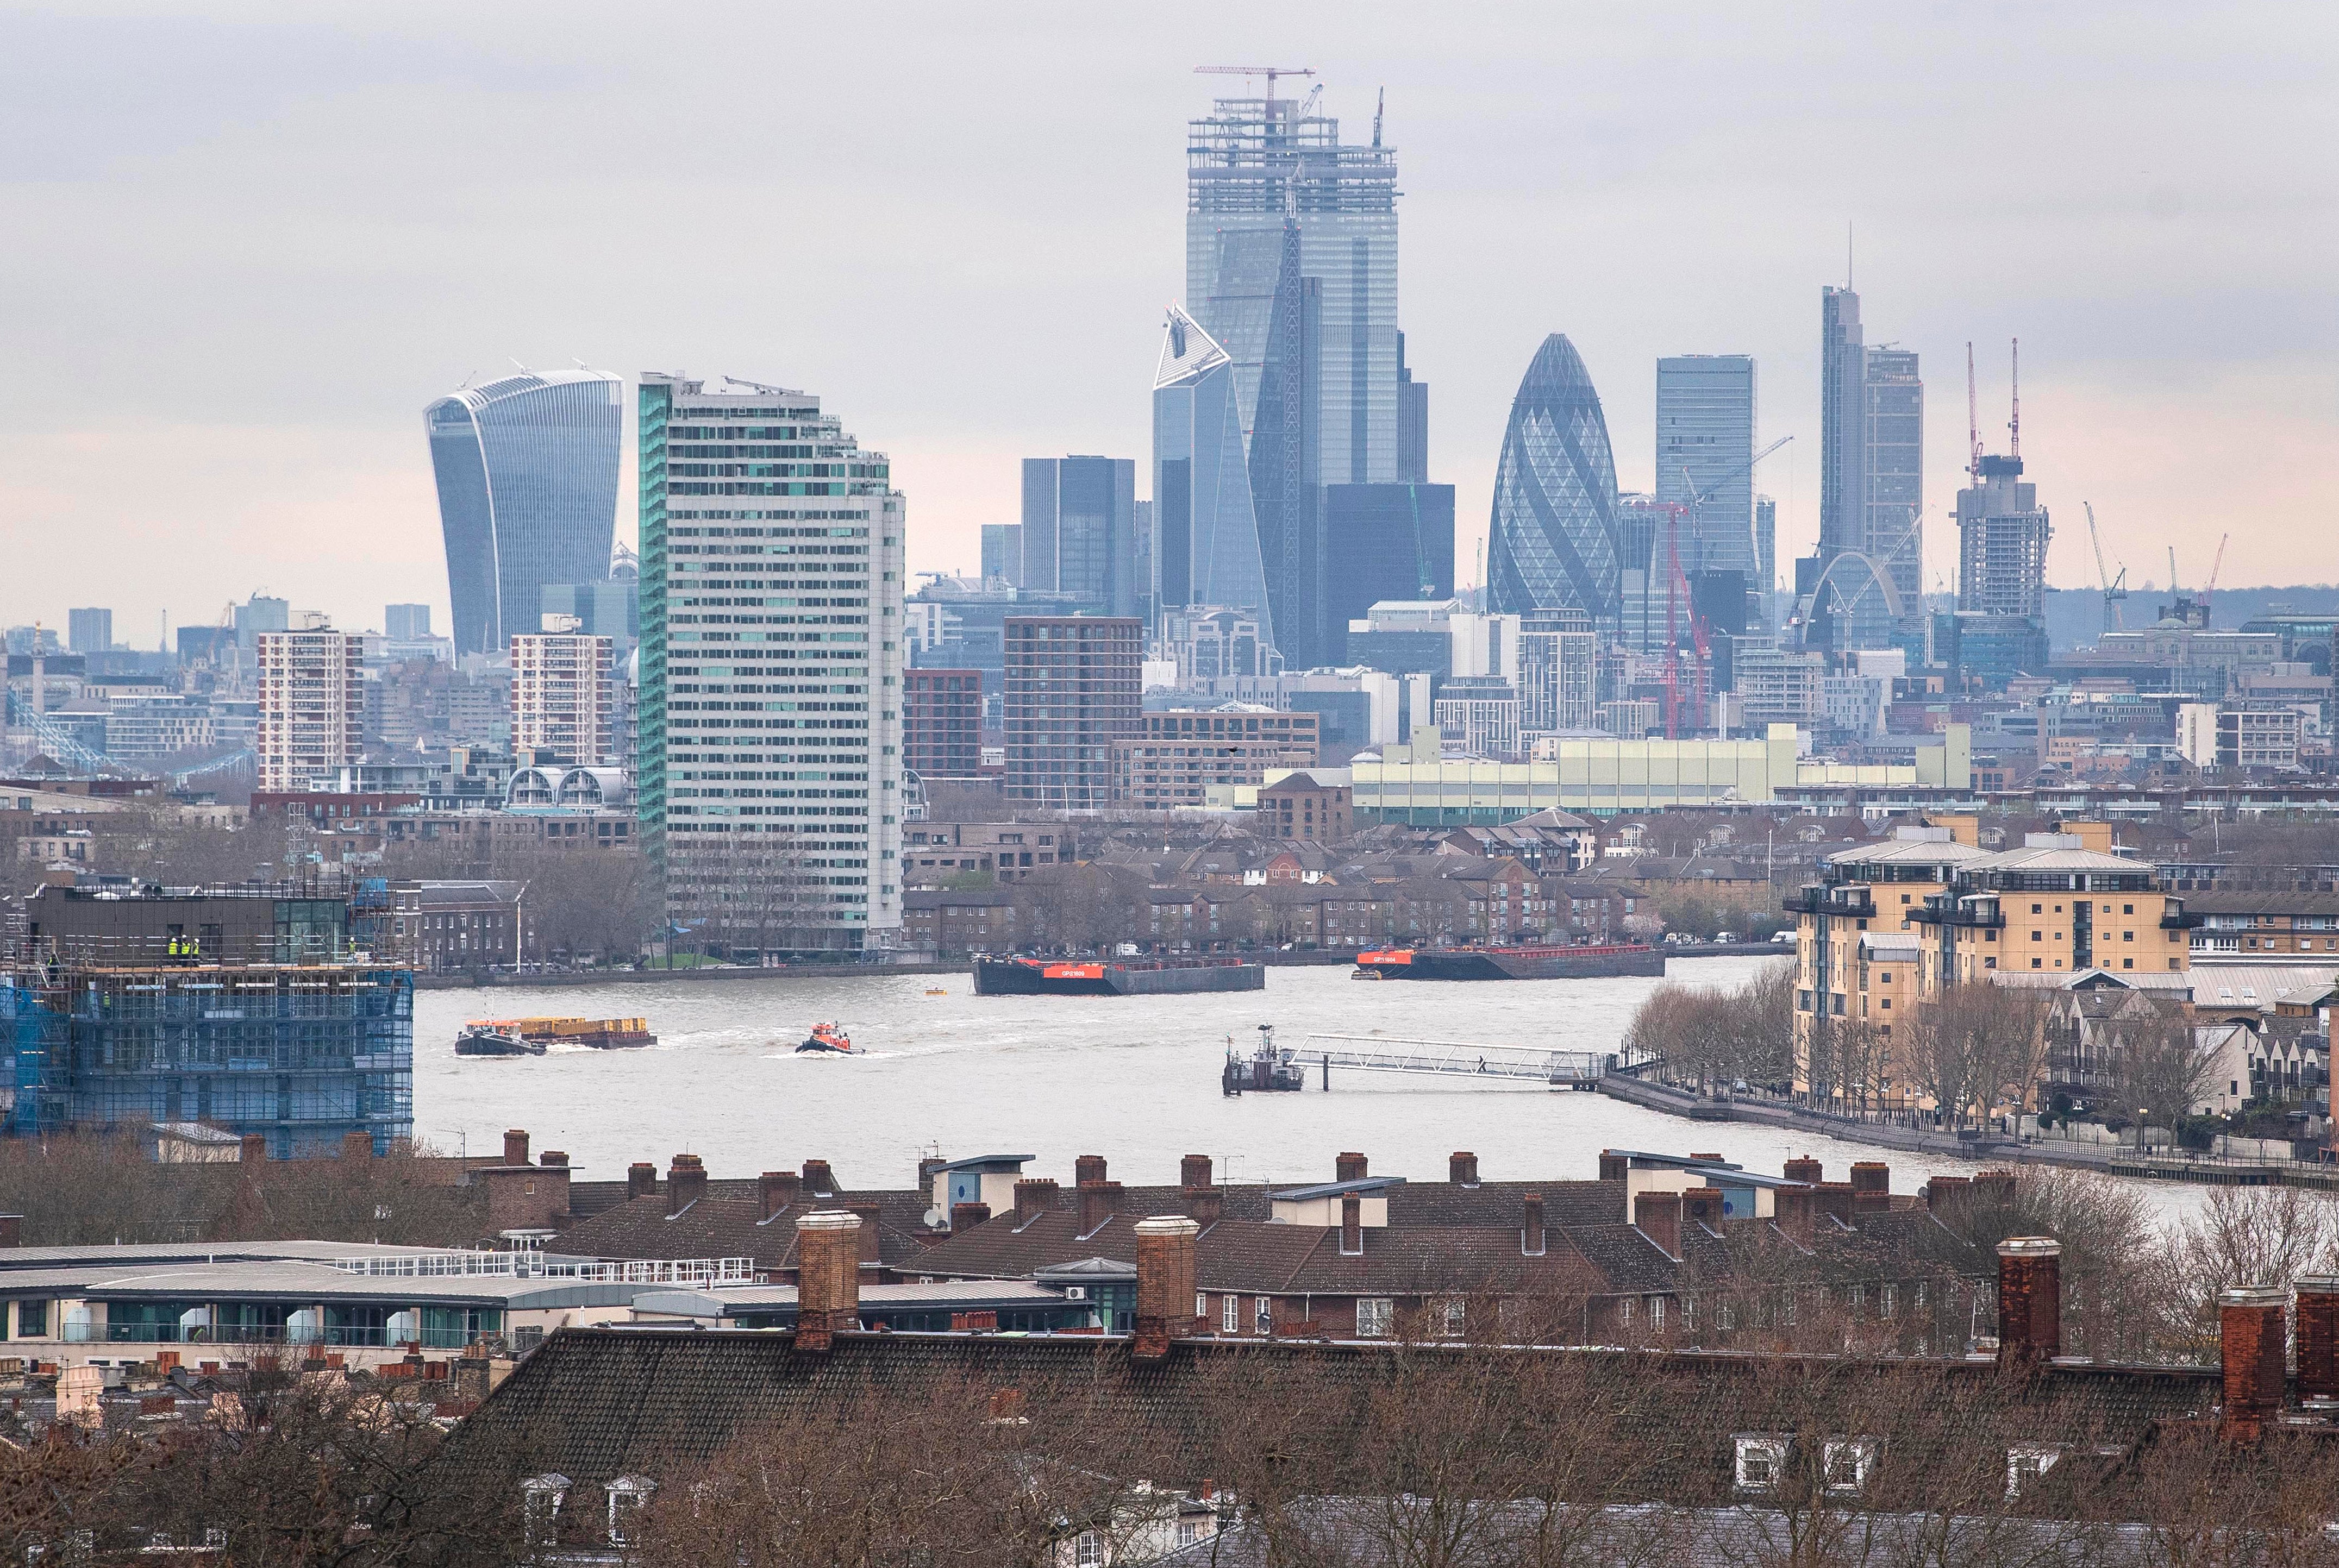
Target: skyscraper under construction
{"x":1250,"y":164}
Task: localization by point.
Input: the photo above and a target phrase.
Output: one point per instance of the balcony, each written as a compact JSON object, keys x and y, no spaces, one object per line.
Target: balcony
{"x":1848,"y":901}
{"x":1976,"y":913}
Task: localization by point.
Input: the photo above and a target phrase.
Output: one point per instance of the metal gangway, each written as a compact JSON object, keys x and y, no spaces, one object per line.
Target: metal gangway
{"x":1453,"y":1059}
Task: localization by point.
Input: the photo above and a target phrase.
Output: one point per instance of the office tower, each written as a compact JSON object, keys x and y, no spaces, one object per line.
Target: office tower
{"x":312,"y":705}
{"x":1003,"y":552}
{"x":1412,"y":422}
{"x":259,"y":614}
{"x":528,"y":492}
{"x":611,"y":609}
{"x":1555,"y":541}
{"x":1558,"y":657}
{"x":564,"y":696}
{"x":1080,"y":531}
{"x":1205,"y":533}
{"x":1286,"y":491}
{"x":90,"y":631}
{"x":1385,"y":542}
{"x":1074,"y":687}
{"x":1705,"y":466}
{"x":777,"y":596}
{"x":1766,"y":557}
{"x":406,"y":623}
{"x":1251,"y":165}
{"x":1866,"y":579}
{"x":941,"y":723}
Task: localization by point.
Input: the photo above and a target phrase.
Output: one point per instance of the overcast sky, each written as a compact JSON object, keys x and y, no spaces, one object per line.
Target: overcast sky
{"x":246,"y":244}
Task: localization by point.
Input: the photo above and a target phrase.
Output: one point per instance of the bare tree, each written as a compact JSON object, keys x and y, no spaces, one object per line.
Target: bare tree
{"x":2160,"y":1069}
{"x":1974,"y":1047}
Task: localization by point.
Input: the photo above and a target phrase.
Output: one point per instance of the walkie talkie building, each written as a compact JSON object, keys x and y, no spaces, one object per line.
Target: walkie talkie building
{"x":528,"y":495}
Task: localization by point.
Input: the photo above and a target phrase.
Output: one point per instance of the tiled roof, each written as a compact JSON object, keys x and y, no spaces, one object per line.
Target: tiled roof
{"x":729,"y":1223}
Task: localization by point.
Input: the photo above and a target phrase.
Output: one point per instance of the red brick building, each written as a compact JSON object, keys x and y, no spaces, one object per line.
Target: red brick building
{"x":941,"y":723}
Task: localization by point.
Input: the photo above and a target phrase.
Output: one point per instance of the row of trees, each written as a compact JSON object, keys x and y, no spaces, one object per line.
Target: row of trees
{"x":1715,"y":1037}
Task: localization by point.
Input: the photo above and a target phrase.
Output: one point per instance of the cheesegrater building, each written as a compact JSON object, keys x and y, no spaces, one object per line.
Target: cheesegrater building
{"x":770,"y":736}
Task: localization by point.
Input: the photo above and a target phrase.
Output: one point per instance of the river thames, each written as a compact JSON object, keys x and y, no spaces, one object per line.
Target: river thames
{"x":1135,"y":1079}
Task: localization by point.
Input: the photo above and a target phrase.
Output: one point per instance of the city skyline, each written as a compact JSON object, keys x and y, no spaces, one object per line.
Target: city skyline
{"x":2177,"y":403}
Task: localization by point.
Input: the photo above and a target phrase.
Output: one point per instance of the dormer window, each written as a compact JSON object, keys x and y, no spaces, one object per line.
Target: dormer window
{"x":1845,"y":1463}
{"x":2025,"y":1466}
{"x":1759,"y":1462}
{"x":540,"y":1500}
{"x":627,"y":1494}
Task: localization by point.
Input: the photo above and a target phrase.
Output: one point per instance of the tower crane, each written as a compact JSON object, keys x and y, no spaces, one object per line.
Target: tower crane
{"x":1678,"y":602}
{"x":1269,"y":72}
{"x":2212,"y":586}
{"x":2115,"y":588}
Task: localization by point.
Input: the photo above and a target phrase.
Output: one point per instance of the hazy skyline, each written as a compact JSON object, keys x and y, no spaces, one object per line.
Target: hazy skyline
{"x":253,"y":244}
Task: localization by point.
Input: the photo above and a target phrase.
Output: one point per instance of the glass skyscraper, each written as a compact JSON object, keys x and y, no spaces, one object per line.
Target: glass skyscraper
{"x":1079,"y":533}
{"x":1251,"y":165}
{"x":769,"y":728}
{"x":1705,"y":464}
{"x":528,"y":495}
{"x":1864,"y":588}
{"x":1554,"y":539}
{"x":1205,"y":534}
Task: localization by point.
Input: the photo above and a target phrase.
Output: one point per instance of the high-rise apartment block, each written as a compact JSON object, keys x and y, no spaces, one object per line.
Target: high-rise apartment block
{"x":564,"y":696}
{"x":89,"y":631}
{"x":527,"y":469}
{"x":611,"y":609}
{"x":770,"y":736}
{"x":1252,"y":166}
{"x":1079,"y":534}
{"x":941,"y":723}
{"x":2002,"y":534}
{"x":1558,"y":684}
{"x":1074,"y":688}
{"x":312,"y":705}
{"x":1189,"y":758}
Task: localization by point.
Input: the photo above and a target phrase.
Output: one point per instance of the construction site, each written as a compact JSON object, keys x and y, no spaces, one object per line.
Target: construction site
{"x":247,"y":1011}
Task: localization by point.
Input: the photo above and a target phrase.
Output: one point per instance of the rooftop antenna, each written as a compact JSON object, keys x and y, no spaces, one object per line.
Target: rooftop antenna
{"x":1380,"y":102}
{"x":1973,"y":421}
{"x":2014,"y":425}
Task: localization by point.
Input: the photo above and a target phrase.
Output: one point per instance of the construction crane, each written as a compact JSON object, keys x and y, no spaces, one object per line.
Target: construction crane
{"x":1973,"y":421}
{"x":2115,"y":588}
{"x":1269,"y":72}
{"x":2014,"y":425}
{"x":2212,"y":588}
{"x":1677,"y":595}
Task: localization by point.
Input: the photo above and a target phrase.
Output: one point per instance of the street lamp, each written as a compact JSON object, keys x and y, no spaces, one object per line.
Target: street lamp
{"x":2141,"y":1112}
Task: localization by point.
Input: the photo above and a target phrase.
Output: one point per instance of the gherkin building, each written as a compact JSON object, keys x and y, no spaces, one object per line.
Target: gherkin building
{"x":1556,"y":540}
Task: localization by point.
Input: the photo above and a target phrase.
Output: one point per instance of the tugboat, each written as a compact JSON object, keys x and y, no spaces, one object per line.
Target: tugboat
{"x":494,"y":1039}
{"x":1269,"y":1070}
{"x":830,"y":1039}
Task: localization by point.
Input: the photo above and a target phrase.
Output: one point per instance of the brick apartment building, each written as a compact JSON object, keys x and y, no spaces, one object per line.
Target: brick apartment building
{"x":1178,"y":756}
{"x":1074,"y":686}
{"x":941,"y":723}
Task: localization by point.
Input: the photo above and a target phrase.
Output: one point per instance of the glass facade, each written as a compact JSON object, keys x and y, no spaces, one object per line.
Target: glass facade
{"x":1206,"y":535}
{"x":526,"y":469}
{"x":1386,"y":542}
{"x":769,"y":731}
{"x":1555,"y":538}
{"x":1079,"y":533}
{"x":1250,"y":164}
{"x":1705,"y":462}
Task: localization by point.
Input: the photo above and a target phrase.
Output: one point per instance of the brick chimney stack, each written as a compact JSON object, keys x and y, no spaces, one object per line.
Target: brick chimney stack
{"x":818,"y":1179}
{"x":2318,"y":1337}
{"x":1872,"y":1187}
{"x":1462,"y":1169}
{"x":1348,"y":1167}
{"x":1352,"y":1226}
{"x":927,"y":1166}
{"x":775,"y":1189}
{"x":1945,"y":1196}
{"x":1805,"y":1169}
{"x":12,"y":1230}
{"x":1703,"y":1205}
{"x":828,"y":1276}
{"x":1194,"y":1171}
{"x":967,"y":1216}
{"x":253,"y":1149}
{"x":1833,"y":1198}
{"x":1795,"y":1212}
{"x":871,"y":1249}
{"x":1088,"y":1168}
{"x":1033,"y":1198}
{"x":686,"y":1183}
{"x":1206,"y":1205}
{"x":1613,"y":1164}
{"x":1657,"y":1216}
{"x":2030,"y":1300}
{"x":1165,"y":1283}
{"x":516,"y":1146}
{"x":1531,"y":1225}
{"x":2250,"y":1338}
{"x":554,"y":1158}
{"x":1100,"y":1201}
{"x":641,"y":1178}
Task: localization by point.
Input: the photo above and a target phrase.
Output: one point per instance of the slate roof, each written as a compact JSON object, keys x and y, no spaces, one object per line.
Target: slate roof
{"x":728,"y":1222}
{"x":596,"y":1403}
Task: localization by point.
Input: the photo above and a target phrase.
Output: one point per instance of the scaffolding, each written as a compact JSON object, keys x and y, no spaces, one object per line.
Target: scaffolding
{"x":303,"y":1055}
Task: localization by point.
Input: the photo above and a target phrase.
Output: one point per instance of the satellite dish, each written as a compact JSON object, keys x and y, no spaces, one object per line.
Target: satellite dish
{"x":937,"y":1220}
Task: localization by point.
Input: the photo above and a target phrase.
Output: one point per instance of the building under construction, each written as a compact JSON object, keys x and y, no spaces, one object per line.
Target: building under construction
{"x":115,"y":1012}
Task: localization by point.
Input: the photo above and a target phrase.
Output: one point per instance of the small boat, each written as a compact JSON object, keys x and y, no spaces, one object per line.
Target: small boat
{"x":937,"y":991}
{"x":495,"y":1040}
{"x":829,"y":1038}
